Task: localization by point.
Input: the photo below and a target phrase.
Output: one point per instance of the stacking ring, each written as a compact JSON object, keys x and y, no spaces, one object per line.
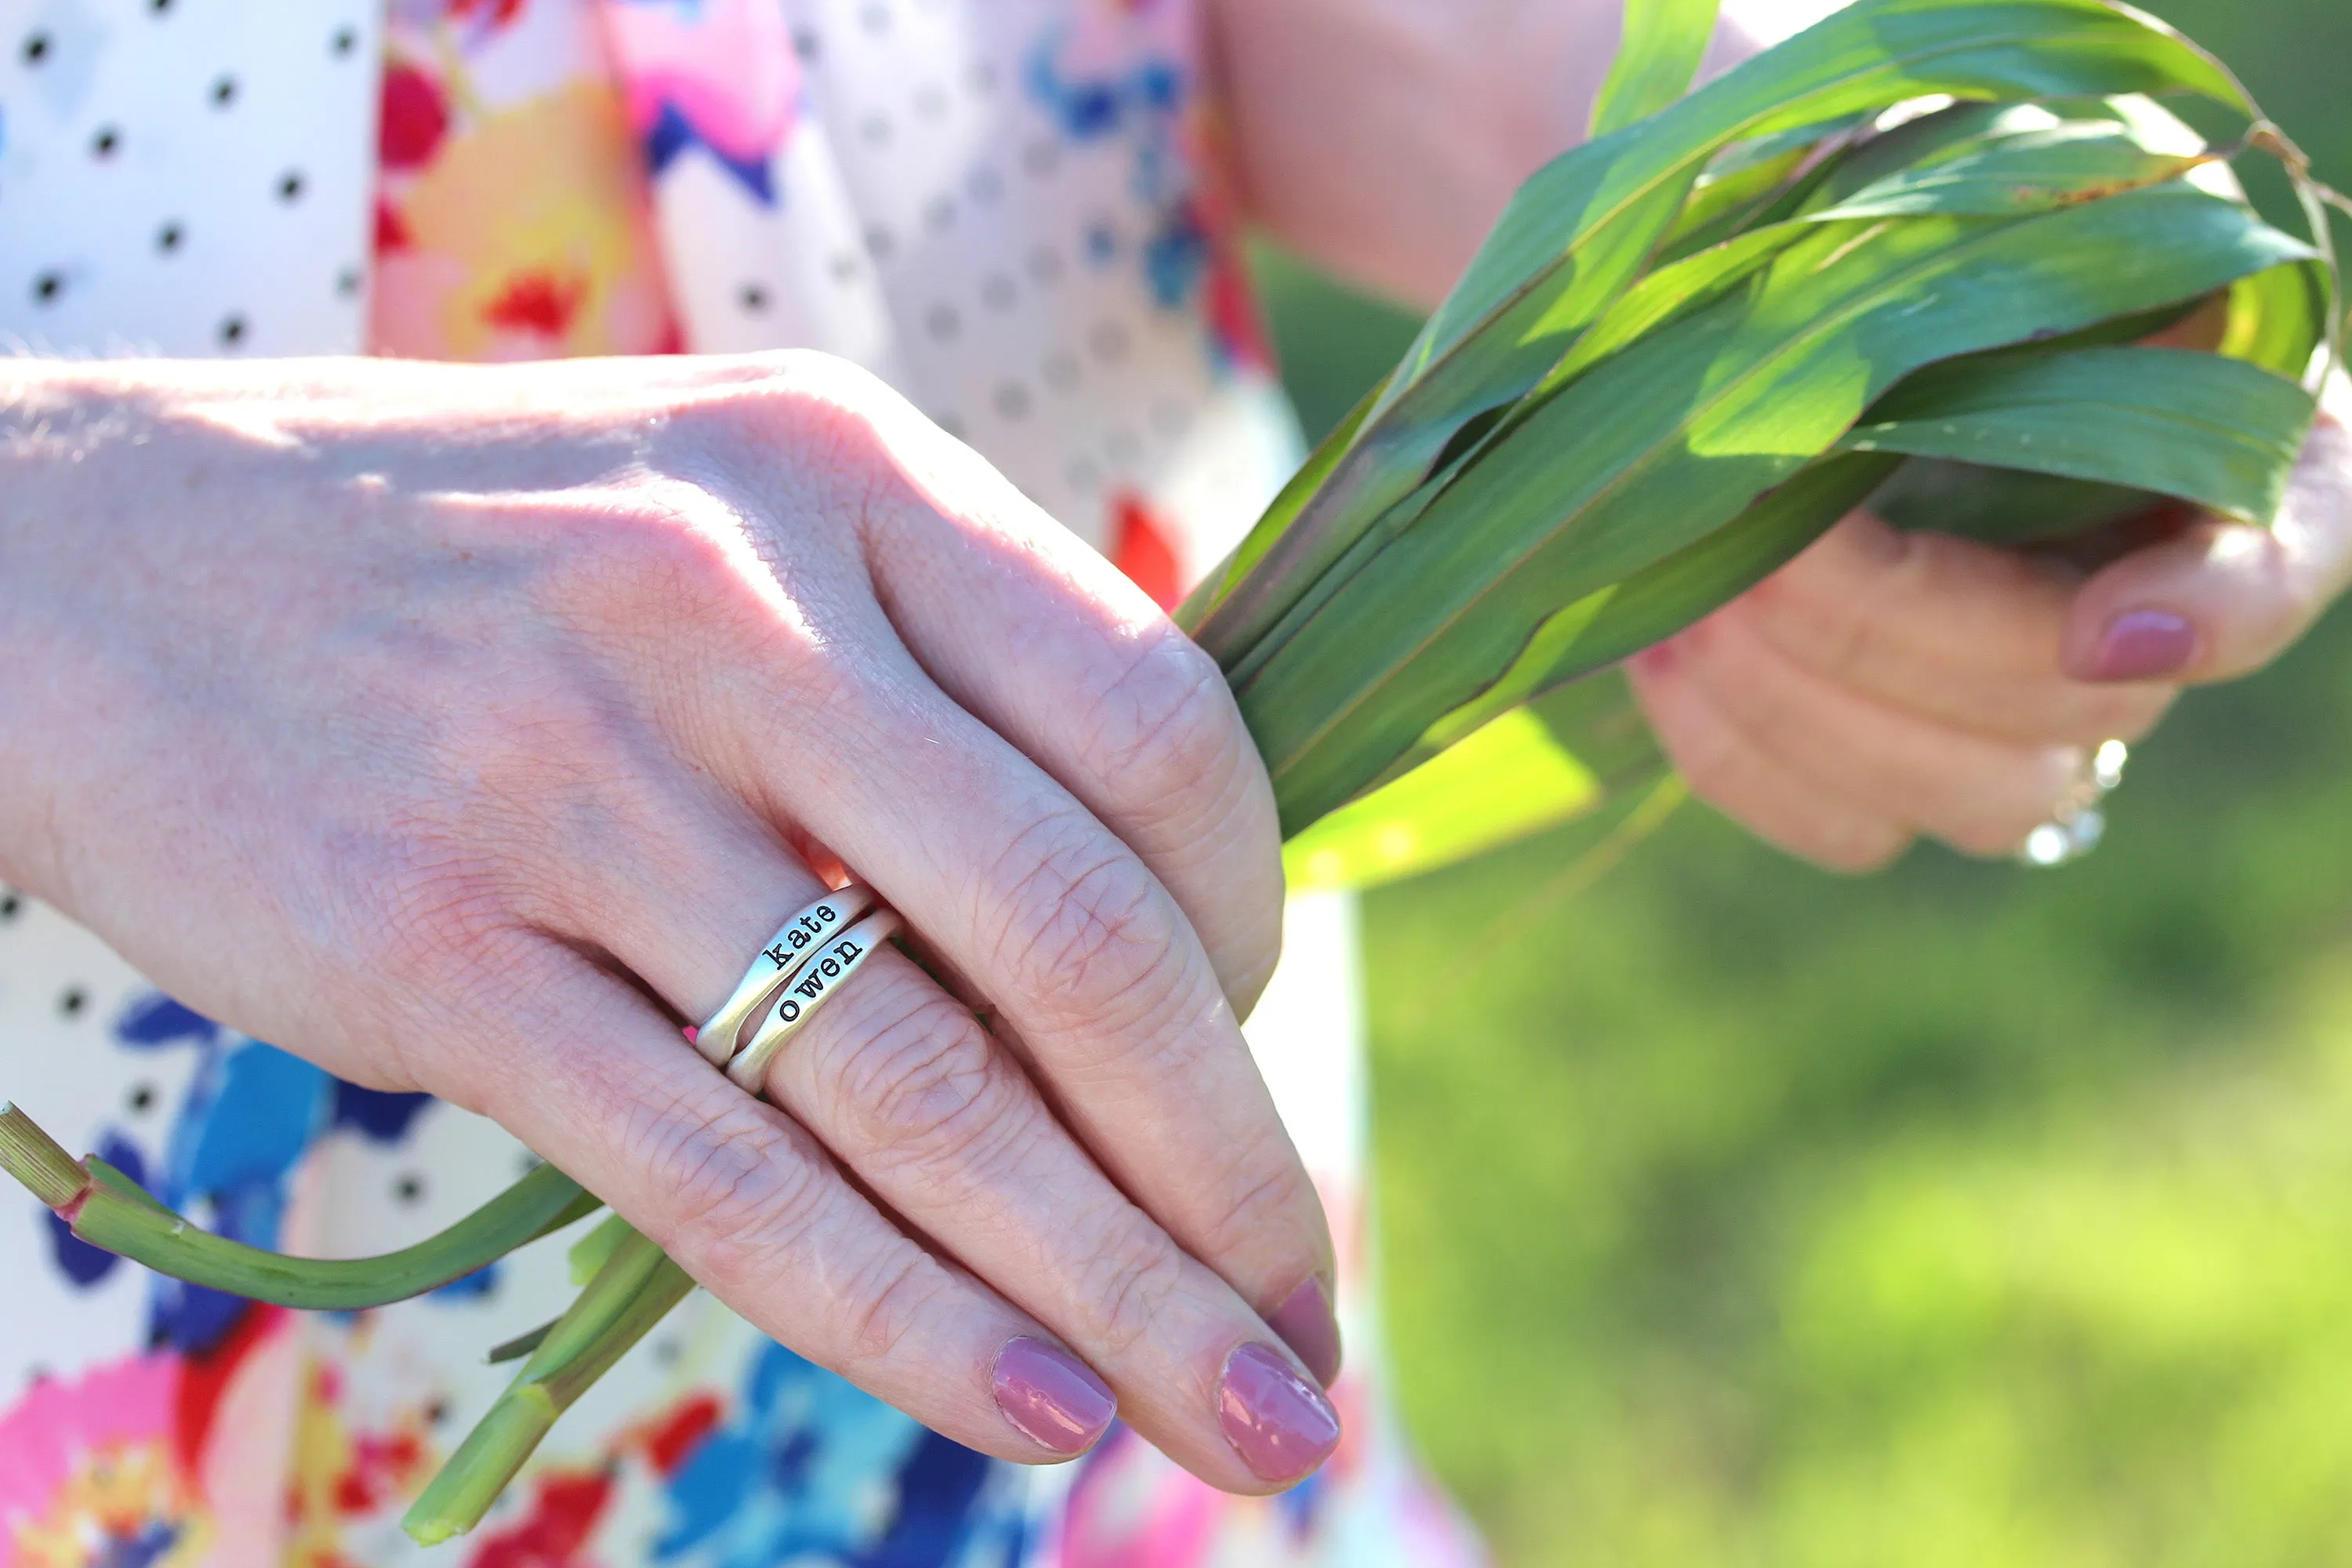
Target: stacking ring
{"x":828,"y":966}
{"x":2076,"y":828}
{"x":725,"y":1034}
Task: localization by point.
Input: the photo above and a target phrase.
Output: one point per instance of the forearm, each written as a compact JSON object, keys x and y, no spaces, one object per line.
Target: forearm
{"x":1382,"y":138}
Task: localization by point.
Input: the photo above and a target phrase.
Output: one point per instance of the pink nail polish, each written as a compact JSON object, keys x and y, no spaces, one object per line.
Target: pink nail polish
{"x":2144,"y":645}
{"x":1278,"y":1423}
{"x":1051,"y":1397}
{"x":1307,"y":1325}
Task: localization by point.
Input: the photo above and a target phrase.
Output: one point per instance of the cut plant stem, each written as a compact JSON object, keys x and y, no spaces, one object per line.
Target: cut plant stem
{"x":37,"y":1160}
{"x":107,"y":1209}
{"x":634,"y":1289}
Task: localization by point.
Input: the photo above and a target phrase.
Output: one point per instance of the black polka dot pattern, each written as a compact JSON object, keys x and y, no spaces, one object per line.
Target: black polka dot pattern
{"x":185,"y":228}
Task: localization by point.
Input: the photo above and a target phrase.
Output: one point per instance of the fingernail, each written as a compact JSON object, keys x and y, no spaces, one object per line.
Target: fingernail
{"x":1052,"y":1398}
{"x":1307,"y":1325}
{"x":2144,"y":645}
{"x":1280,"y":1422}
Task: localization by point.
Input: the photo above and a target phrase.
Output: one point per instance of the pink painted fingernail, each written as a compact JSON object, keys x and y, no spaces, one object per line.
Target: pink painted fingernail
{"x":1280,"y":1422}
{"x":2144,"y":645}
{"x":1307,"y":1325}
{"x":1051,"y":1397}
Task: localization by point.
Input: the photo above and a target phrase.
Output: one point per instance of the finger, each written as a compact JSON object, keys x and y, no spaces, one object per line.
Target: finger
{"x":1724,"y":769}
{"x":830,"y":725}
{"x":1048,"y":644}
{"x":1981,"y":796}
{"x":1084,"y":954}
{"x":750,"y":1206}
{"x":1954,"y":631}
{"x":2222,"y":599}
{"x":938,"y":1121}
{"x":1050,"y":647}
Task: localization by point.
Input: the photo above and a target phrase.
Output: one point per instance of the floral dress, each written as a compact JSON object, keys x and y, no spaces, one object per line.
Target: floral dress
{"x":1009,"y":209}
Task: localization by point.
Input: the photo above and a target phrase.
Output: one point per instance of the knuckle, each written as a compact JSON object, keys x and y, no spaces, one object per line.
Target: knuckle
{"x":436,"y":912}
{"x":929,"y":1085}
{"x":1084,"y":933}
{"x":1163,"y":732}
{"x":1131,"y":1283}
{"x":1267,"y":1204}
{"x":672,"y":540}
{"x":1821,"y":614}
{"x":890,"y":1297}
{"x":743,"y":1191}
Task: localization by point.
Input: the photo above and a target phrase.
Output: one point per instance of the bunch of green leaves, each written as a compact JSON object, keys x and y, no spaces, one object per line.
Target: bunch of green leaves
{"x":1912,"y":253}
{"x":1910,"y":258}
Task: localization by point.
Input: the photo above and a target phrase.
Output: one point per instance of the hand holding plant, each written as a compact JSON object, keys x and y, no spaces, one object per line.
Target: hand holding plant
{"x":1909,"y":257}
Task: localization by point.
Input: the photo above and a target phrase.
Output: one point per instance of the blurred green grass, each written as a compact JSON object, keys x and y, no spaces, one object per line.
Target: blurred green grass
{"x":1734,"y":1214}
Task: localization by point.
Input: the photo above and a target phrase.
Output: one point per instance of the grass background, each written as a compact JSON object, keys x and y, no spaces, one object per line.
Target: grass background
{"x":1739,"y":1214}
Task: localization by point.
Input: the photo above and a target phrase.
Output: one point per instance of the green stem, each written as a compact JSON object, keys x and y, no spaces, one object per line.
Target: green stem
{"x":634,"y":1289}
{"x":37,"y":1160}
{"x":107,"y":1209}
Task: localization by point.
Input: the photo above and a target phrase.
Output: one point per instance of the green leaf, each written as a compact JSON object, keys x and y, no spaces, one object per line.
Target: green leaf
{"x":2002,"y":506}
{"x":520,"y":1346}
{"x":2279,"y":319}
{"x":1249,"y":556}
{"x":1665,"y":43}
{"x":1754,"y":184}
{"x":1506,"y":780}
{"x":2215,"y":431}
{"x":1660,"y":600}
{"x":1658,"y":446}
{"x":2028,"y":172}
{"x":1582,"y":228}
{"x":1551,"y":762}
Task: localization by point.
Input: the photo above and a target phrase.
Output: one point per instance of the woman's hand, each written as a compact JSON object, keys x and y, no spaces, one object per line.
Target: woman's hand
{"x":469,"y":730}
{"x":1884,"y":686}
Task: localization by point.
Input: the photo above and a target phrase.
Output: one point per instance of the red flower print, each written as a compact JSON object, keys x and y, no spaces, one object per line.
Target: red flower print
{"x":1141,"y":547}
{"x":415,"y":118}
{"x":539,"y":302}
{"x":564,"y":1511}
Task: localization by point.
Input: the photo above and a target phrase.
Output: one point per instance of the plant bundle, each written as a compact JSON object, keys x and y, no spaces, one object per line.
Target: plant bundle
{"x":1911,"y":256}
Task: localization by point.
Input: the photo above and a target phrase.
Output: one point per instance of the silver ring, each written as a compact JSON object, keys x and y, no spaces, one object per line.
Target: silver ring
{"x":722,"y":1036}
{"x":2076,"y":828}
{"x":828,"y":966}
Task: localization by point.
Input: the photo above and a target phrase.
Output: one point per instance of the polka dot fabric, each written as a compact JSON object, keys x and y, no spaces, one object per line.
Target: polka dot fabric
{"x":1007,"y":208}
{"x":185,"y":176}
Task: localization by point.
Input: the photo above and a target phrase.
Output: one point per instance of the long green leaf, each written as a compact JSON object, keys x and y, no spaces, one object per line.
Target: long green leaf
{"x":1658,"y":446}
{"x":1664,"y":44}
{"x":1654,"y":602}
{"x":2028,"y":172}
{"x":2196,"y":426}
{"x":1561,"y":758}
{"x":1508,"y":780}
{"x":2279,"y":319}
{"x":1582,"y":228}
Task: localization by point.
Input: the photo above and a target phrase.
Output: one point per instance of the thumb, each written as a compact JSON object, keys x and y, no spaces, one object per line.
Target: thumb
{"x":2222,"y":599}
